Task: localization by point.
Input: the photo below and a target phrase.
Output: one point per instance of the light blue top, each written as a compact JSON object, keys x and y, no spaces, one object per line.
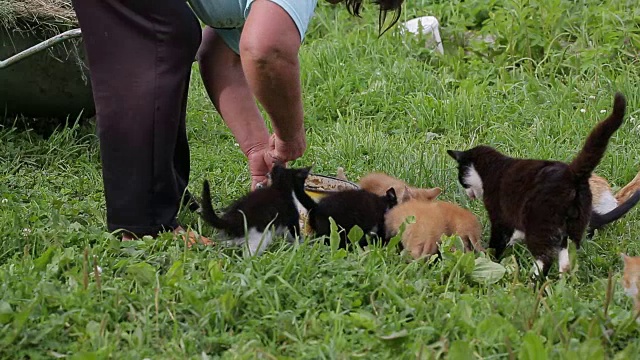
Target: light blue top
{"x":227,"y":17}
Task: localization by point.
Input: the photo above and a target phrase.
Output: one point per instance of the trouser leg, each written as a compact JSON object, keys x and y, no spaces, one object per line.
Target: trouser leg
{"x":140,"y":54}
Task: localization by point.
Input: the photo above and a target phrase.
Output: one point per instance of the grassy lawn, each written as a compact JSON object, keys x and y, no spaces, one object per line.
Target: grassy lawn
{"x":371,"y":104}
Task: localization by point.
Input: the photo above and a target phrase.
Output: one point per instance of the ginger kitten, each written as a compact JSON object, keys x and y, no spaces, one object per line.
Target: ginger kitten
{"x":432,"y":220}
{"x":379,"y":182}
{"x":547,"y":201}
{"x":608,"y":207}
{"x":631,"y":280}
{"x":629,"y":190}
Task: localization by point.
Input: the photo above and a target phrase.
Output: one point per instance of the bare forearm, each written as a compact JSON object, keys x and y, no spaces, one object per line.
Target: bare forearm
{"x":227,"y":87}
{"x":275,"y":82}
{"x":269,"y":51}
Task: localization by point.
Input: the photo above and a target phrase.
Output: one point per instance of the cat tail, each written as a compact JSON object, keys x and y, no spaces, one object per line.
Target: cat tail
{"x":597,"y":141}
{"x":599,"y":220}
{"x":208,"y":213}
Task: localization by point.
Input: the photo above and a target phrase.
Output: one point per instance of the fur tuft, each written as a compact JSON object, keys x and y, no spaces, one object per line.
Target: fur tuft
{"x":597,"y":141}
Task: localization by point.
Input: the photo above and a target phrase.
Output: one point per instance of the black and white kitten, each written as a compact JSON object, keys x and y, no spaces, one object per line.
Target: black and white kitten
{"x":350,"y":208}
{"x":264,"y":213}
{"x":545,"y":202}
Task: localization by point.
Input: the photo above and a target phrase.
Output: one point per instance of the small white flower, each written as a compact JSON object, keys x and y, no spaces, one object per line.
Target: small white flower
{"x":603,"y":111}
{"x":26,"y":232}
{"x":99,"y":269}
{"x":592,"y":97}
{"x":5,"y":200}
{"x":236,"y":144}
{"x":583,"y":110}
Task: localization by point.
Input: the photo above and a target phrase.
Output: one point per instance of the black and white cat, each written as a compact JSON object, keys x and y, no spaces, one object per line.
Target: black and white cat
{"x":349,"y":208}
{"x":545,"y":202}
{"x":259,"y":216}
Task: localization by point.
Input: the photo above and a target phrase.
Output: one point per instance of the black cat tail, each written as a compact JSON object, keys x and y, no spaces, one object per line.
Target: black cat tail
{"x":208,"y":213}
{"x":597,"y":141}
{"x":599,"y":220}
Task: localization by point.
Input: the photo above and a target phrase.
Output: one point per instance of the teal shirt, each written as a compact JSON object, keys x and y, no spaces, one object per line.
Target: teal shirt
{"x":227,"y":17}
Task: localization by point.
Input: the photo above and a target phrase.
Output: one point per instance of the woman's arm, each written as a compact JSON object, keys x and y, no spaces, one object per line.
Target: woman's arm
{"x":269,"y":52}
{"x":222,"y":75}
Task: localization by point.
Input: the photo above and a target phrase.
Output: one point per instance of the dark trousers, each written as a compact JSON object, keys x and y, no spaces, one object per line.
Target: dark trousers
{"x":139,"y":55}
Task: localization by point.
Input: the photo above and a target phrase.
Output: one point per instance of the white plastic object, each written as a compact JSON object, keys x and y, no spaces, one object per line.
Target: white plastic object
{"x":426,"y":25}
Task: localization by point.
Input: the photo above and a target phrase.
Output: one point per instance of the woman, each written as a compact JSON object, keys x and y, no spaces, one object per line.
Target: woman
{"x":139,"y":54}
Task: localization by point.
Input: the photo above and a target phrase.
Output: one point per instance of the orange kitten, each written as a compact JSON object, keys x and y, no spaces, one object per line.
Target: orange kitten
{"x":626,"y":192}
{"x":631,"y":280}
{"x":432,"y":220}
{"x":378,"y":183}
{"x":602,"y":196}
{"x":608,"y":207}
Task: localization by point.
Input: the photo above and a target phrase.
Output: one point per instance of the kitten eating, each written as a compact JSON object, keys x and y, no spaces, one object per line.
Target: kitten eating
{"x":379,"y":182}
{"x":349,"y":208}
{"x":548,"y":202}
{"x":267,"y":212}
{"x":432,"y":220}
{"x":631,"y":281}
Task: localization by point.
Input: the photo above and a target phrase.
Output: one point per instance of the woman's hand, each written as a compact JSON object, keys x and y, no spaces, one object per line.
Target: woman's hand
{"x":259,"y":165}
{"x":285,"y":151}
{"x":262,"y":157}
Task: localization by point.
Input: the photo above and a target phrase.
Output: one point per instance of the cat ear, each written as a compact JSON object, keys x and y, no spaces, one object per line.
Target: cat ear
{"x":434,"y":192}
{"x":408,"y":194}
{"x":340,"y":174}
{"x":391,"y":194}
{"x":457,"y":155}
{"x":304,"y":172}
{"x":624,"y":257}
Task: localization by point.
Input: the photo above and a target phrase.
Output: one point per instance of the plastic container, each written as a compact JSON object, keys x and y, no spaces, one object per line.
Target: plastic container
{"x":426,"y":25}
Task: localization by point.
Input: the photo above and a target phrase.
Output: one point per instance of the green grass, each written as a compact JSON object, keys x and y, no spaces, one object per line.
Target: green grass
{"x":371,"y":104}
